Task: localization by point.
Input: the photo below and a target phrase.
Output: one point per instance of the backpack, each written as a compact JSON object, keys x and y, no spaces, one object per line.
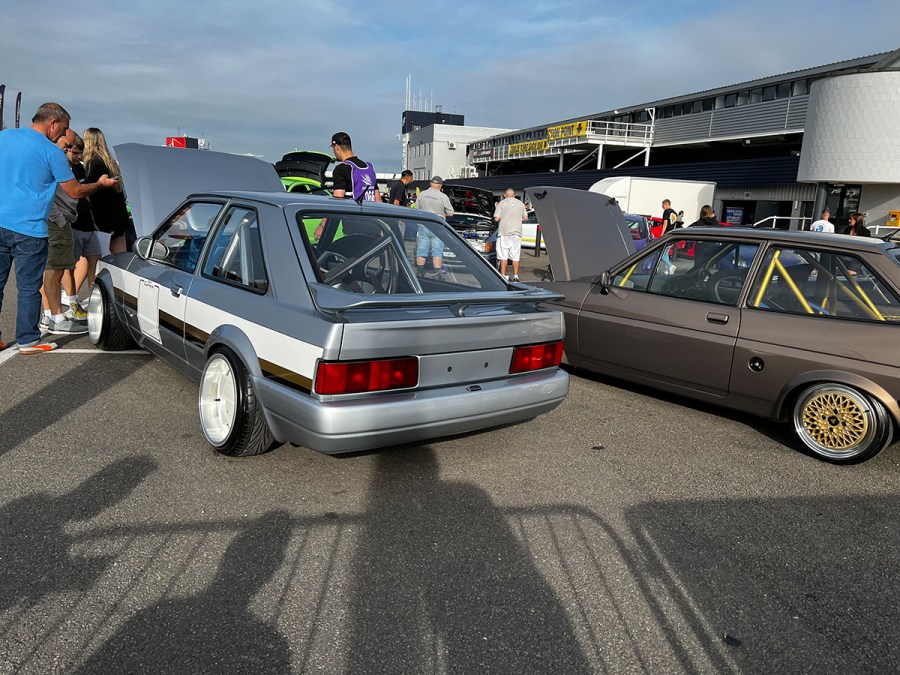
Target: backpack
{"x":363,"y":181}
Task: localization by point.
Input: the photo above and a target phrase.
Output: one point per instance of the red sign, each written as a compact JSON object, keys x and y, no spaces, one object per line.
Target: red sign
{"x":176,"y":142}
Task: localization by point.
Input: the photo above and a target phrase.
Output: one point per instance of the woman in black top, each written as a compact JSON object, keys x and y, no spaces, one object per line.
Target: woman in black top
{"x":856,"y":227}
{"x":107,"y":206}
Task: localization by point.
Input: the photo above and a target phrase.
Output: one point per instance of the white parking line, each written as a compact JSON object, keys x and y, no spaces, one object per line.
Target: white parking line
{"x":11,"y":351}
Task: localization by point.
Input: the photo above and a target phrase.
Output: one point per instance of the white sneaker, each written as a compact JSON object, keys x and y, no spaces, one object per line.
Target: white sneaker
{"x":515,"y":277}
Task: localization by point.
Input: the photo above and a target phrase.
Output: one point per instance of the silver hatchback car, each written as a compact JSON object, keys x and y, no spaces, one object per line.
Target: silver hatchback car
{"x":307,"y":319}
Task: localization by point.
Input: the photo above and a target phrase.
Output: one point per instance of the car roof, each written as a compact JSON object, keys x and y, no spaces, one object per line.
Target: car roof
{"x":282,"y":199}
{"x":787,"y":236}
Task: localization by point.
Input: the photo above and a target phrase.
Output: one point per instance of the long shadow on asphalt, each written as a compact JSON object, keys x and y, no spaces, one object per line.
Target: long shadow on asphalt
{"x":68,"y":392}
{"x":34,"y":543}
{"x":444,"y":584}
{"x":213,"y":631}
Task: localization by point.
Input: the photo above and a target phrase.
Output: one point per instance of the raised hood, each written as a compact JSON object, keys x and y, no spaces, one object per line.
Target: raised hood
{"x":585,"y":232}
{"x":157,"y":179}
{"x":465,"y":199}
{"x":304,"y":164}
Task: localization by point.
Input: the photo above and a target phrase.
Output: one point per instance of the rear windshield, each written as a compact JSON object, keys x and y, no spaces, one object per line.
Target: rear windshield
{"x":373,"y":255}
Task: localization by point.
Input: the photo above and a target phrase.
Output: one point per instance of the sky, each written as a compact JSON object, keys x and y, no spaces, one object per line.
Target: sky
{"x":265,"y":78}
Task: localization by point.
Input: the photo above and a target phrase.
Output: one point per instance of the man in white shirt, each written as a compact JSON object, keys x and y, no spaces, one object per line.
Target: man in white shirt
{"x":823,"y":225}
{"x":510,"y":213}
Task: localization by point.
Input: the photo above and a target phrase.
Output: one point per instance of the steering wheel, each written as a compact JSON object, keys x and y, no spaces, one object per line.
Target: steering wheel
{"x":722,"y":285}
{"x":329,"y":259}
{"x":357,"y":271}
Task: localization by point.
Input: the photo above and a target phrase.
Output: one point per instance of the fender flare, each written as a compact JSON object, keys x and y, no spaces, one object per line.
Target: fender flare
{"x":864,"y":384}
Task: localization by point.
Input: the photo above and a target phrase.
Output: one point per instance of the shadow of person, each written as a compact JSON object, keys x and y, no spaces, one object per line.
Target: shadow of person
{"x":34,"y":548}
{"x":213,"y":632}
{"x":444,"y":584}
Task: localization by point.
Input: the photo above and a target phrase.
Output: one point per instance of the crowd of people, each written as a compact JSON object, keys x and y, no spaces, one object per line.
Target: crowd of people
{"x":58,"y":191}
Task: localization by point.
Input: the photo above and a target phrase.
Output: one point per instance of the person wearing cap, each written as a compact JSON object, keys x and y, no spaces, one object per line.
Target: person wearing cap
{"x":432,"y":201}
{"x":352,"y":177}
{"x":823,"y":224}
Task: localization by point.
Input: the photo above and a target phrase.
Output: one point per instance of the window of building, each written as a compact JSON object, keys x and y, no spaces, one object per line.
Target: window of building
{"x":687,"y":108}
{"x":783,"y":90}
{"x":720,"y":102}
{"x":755,"y":95}
{"x":708,"y":104}
{"x":667,"y":111}
{"x":643,"y":116}
{"x":676,"y":110}
{"x":730,"y":100}
{"x":743,"y":98}
{"x":696,"y":106}
{"x":768,"y":93}
{"x":799,"y":88}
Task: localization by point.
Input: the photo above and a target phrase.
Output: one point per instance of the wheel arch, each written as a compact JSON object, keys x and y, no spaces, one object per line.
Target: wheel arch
{"x":791,"y":390}
{"x":234,"y":338}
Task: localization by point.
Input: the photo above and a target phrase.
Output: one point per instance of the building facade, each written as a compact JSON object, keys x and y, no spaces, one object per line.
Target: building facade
{"x":779,"y":148}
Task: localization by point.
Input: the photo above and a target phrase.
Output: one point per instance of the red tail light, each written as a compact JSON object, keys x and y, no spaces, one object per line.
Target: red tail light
{"x":354,"y":377}
{"x":535,"y":357}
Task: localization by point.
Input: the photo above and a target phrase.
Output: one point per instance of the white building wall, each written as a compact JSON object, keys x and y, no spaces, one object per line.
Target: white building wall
{"x":852,"y":132}
{"x":441,"y":149}
{"x":876,"y":200}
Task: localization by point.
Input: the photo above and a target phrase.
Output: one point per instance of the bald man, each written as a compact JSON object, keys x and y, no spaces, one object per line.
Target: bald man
{"x":510,"y":213}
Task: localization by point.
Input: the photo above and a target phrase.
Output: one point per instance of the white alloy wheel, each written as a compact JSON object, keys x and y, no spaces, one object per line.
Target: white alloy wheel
{"x":218,"y":400}
{"x":95,"y":314}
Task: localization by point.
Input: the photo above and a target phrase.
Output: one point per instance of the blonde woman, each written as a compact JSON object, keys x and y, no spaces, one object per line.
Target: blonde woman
{"x":110,"y":212}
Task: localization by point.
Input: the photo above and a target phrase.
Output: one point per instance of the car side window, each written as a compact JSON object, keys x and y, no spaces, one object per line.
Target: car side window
{"x":709,"y":271}
{"x":184,"y":234}
{"x":235,"y":255}
{"x":822,"y":284}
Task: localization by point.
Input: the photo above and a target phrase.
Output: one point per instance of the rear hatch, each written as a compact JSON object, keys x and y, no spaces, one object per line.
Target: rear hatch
{"x":304,"y":164}
{"x":463,"y":316}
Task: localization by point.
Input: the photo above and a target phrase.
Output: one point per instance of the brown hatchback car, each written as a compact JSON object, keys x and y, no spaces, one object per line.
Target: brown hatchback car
{"x":795,"y":326}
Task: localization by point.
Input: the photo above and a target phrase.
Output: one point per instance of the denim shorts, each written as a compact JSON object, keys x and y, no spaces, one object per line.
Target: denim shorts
{"x":425,"y":240}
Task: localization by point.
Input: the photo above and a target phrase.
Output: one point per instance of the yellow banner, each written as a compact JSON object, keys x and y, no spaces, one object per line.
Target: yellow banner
{"x":530,"y":146}
{"x":572,"y":130}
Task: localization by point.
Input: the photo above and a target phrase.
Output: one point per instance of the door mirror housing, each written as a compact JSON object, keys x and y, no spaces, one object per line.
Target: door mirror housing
{"x":148,"y":249}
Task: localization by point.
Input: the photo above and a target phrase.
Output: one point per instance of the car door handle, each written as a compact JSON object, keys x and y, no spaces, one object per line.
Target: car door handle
{"x":176,"y":290}
{"x":713,"y":317}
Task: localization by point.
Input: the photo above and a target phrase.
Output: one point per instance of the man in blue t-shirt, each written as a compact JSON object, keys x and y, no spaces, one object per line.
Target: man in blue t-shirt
{"x":31,"y":166}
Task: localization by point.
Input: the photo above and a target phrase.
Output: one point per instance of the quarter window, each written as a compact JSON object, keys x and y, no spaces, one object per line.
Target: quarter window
{"x":822,"y":284}
{"x":182,"y":236}
{"x":236,"y":252}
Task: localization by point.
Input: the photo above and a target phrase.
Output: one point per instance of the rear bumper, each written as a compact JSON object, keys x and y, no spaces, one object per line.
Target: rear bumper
{"x":390,"y":419}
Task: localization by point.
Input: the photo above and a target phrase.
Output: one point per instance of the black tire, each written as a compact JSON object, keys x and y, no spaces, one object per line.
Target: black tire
{"x":105,"y":330}
{"x":841,"y":424}
{"x":238,"y":428}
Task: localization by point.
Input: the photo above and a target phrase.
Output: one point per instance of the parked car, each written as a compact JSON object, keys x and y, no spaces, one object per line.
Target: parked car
{"x":529,"y":232}
{"x":473,"y":218}
{"x":479,"y":231}
{"x":795,"y":326}
{"x":331,"y":341}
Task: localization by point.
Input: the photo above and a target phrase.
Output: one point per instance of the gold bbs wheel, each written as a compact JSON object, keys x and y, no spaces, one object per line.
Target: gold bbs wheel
{"x":841,"y":424}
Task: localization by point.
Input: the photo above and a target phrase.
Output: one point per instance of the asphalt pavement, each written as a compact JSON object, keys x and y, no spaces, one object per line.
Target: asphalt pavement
{"x":626,"y":531}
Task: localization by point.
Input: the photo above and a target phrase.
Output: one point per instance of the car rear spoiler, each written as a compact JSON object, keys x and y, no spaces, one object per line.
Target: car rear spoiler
{"x":335,"y":301}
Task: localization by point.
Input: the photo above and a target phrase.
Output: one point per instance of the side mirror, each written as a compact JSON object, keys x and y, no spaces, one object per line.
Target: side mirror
{"x":603,"y":282}
{"x":147,"y":248}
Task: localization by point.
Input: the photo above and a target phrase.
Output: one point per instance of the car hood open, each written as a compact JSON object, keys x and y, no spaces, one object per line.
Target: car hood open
{"x":465,"y":199}
{"x":157,"y":179}
{"x":304,"y":164}
{"x":585,"y":232}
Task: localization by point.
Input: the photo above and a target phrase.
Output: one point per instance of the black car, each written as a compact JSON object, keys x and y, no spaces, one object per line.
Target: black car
{"x":473,"y":218}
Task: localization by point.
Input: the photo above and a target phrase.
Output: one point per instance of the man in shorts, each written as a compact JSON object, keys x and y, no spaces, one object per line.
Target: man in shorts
{"x":60,"y":256}
{"x":510,"y":213}
{"x":31,"y":166}
{"x":432,"y":201}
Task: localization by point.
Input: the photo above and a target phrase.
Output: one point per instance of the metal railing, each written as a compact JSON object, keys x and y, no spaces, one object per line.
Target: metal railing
{"x":773,"y":221}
